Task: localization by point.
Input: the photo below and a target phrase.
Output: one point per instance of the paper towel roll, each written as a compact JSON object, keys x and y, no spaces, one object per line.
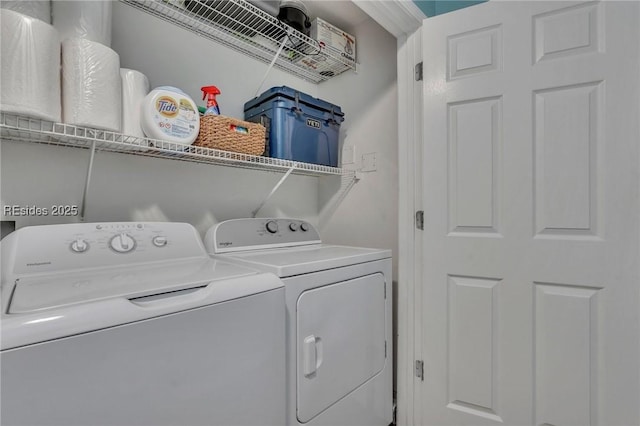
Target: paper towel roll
{"x":30,"y":73}
{"x":40,"y":9}
{"x":135,"y":87}
{"x":91,"y":86}
{"x":90,"y":20}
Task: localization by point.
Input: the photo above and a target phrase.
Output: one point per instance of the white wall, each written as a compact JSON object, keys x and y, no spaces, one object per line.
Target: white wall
{"x":126,"y":187}
{"x":368,"y":216}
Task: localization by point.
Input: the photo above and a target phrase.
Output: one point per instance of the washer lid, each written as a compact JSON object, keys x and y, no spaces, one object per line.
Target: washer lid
{"x":286,"y":262}
{"x":42,"y":292}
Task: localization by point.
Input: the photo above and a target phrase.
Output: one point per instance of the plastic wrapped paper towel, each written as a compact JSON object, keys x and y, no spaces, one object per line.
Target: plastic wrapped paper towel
{"x":30,"y":71}
{"x":40,"y":9}
{"x":91,"y":87}
{"x":135,"y":86}
{"x":90,"y":20}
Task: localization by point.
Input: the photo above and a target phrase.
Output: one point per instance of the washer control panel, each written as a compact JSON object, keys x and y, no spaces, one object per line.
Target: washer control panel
{"x":244,"y":234}
{"x":51,"y":248}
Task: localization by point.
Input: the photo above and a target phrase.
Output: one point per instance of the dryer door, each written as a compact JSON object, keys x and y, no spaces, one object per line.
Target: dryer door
{"x":340,"y":341}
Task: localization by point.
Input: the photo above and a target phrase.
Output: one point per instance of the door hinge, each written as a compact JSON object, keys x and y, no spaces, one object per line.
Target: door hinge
{"x":420,"y":370}
{"x":418,"y":70}
{"x":420,"y":220}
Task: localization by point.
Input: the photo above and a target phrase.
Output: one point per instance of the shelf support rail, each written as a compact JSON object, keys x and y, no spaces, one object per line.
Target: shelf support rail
{"x":273,"y":191}
{"x":87,"y":182}
{"x":275,"y":58}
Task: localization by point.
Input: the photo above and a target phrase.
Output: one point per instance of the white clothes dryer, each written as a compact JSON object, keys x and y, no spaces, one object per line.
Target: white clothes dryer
{"x":135,"y":324}
{"x":338,"y":301}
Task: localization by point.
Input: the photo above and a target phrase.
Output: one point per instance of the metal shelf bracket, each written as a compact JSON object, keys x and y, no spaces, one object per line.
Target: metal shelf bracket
{"x":87,"y":182}
{"x":273,"y":191}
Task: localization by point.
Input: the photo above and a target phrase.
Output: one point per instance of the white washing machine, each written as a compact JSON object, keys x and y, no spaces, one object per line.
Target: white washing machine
{"x":338,"y":300}
{"x":135,"y":324}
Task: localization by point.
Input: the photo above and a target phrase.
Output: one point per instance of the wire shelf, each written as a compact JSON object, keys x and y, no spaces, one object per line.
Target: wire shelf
{"x":246,"y":28}
{"x":26,"y":129}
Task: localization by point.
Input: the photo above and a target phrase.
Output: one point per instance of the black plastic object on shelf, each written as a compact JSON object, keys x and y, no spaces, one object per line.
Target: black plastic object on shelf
{"x":294,"y":14}
{"x":234,"y":18}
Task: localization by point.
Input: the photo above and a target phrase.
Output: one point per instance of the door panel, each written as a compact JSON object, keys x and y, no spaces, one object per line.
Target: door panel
{"x":473,"y":367}
{"x":566,"y":123}
{"x":566,"y":339}
{"x":530,"y":298}
{"x":568,"y":31}
{"x":474,"y":145}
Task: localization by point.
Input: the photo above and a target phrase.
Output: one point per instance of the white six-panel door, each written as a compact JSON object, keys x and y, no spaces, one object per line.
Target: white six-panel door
{"x":531,"y":293}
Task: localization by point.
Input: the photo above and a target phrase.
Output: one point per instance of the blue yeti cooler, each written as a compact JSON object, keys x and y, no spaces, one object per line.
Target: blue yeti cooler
{"x":299,"y":127}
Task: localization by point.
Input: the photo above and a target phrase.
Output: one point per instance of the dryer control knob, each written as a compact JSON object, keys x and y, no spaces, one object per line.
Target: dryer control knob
{"x":304,"y":227}
{"x":159,"y":241}
{"x":79,"y":246}
{"x":122,"y":243}
{"x":272,"y":227}
{"x":293,"y":226}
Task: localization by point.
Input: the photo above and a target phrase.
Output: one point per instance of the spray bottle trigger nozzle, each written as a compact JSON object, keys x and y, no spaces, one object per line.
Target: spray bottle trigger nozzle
{"x":209,"y":93}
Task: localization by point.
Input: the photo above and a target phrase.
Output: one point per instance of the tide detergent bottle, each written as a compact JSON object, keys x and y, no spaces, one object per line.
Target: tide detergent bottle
{"x":209,"y":93}
{"x":169,"y":114}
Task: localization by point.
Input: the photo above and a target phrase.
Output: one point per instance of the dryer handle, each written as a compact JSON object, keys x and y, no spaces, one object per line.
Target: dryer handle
{"x":311,"y":355}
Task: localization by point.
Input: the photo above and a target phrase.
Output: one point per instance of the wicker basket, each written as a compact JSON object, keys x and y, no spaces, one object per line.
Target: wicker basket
{"x":230,"y":134}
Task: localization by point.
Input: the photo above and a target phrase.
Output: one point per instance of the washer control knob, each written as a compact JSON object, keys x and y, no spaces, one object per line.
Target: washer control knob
{"x":79,"y":246}
{"x":272,"y":227}
{"x":159,"y":241}
{"x":293,"y":226}
{"x":304,"y":227}
{"x":122,"y":243}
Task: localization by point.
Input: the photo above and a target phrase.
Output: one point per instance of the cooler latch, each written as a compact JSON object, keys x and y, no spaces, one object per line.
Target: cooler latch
{"x":297,"y":108}
{"x":332,"y":120}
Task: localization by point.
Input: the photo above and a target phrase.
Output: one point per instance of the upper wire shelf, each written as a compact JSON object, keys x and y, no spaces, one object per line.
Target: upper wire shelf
{"x":246,"y":28}
{"x":26,"y":129}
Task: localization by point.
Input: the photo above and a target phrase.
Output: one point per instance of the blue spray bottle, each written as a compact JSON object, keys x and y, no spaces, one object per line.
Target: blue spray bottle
{"x":209,"y":93}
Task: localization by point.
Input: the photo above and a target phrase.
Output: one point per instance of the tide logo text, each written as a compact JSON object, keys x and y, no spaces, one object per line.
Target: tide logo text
{"x":167,"y":106}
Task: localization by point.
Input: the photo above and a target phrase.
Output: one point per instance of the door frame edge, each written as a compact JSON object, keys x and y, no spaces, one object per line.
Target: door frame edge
{"x":410,"y":101}
{"x":399,"y":17}
{"x":403,"y":19}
